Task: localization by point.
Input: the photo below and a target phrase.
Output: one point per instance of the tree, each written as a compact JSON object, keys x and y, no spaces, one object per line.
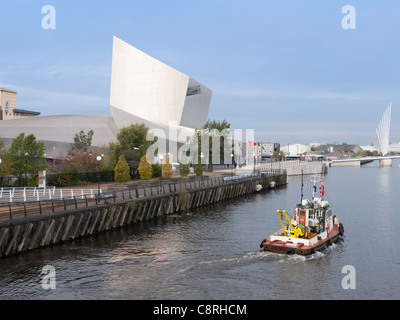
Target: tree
{"x":198,"y":167}
{"x":121,"y":170}
{"x":219,"y":126}
{"x":167,"y":171}
{"x":184,"y":170}
{"x":145,"y":169}
{"x":82,"y":142}
{"x":26,"y":156}
{"x":156,"y":170}
{"x":80,"y":157}
{"x":132,"y":144}
{"x":5,"y":166}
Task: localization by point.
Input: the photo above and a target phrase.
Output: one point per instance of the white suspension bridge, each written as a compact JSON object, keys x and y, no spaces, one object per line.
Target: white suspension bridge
{"x":383,"y":132}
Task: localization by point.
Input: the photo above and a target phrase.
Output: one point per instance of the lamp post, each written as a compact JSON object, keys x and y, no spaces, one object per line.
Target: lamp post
{"x":98,"y":186}
{"x":271,"y":153}
{"x":232,"y":165}
{"x":201,"y":160}
{"x":136,"y":149}
{"x":280,"y":160}
{"x":161,"y":160}
{"x":26,"y":167}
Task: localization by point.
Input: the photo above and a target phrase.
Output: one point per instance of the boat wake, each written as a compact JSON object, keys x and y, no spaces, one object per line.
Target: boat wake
{"x":265,"y":256}
{"x":247,"y":258}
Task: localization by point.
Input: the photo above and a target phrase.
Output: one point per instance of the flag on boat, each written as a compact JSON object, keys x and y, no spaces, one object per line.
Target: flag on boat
{"x":323,"y":191}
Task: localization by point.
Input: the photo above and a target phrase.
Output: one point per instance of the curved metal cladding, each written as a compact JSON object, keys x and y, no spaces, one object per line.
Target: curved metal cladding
{"x":146,"y":88}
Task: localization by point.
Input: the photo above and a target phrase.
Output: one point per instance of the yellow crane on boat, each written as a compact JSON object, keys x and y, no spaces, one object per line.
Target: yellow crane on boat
{"x":298,"y":231}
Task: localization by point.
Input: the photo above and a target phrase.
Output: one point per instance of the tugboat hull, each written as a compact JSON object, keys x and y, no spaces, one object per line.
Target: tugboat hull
{"x":286,"y":245}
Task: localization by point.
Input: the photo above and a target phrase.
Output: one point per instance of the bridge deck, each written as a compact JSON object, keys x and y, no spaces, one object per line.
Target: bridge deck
{"x":369,"y":159}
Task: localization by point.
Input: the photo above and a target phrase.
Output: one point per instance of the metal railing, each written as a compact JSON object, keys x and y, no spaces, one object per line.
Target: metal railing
{"x":16,"y":210}
{"x":18,"y":194}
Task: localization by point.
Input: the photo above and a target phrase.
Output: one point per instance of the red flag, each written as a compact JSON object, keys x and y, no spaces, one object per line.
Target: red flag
{"x":323,"y":191}
{"x":252,"y":144}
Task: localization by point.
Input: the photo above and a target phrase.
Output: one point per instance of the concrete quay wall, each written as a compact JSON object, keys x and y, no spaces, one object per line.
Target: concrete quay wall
{"x":294,"y":168}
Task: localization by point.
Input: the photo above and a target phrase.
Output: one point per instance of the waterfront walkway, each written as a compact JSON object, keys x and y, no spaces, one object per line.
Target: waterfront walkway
{"x":69,"y":198}
{"x":292,"y":168}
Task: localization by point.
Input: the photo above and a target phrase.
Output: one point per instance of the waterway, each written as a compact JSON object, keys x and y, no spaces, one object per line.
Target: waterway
{"x":213,"y":253}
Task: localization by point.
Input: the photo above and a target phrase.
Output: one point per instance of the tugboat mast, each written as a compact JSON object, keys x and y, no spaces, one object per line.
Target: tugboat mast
{"x":301,"y":200}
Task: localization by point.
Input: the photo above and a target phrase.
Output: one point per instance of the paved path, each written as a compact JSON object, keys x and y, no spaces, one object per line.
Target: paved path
{"x":145,"y":188}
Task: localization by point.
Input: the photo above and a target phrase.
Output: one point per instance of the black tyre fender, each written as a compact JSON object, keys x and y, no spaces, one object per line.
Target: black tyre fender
{"x":341,"y":229}
{"x":290,"y":252}
{"x":262,"y":243}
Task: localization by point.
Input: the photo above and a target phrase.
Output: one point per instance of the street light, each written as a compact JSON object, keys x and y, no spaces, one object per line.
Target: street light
{"x":135,"y":172}
{"x":232,"y":164}
{"x":26,"y":165}
{"x":271,"y":153}
{"x":161,"y":159}
{"x":98,"y":188}
{"x":201,"y":160}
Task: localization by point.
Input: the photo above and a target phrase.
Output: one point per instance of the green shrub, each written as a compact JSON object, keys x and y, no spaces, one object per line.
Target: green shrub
{"x":121,"y":170}
{"x":156,"y":171}
{"x":184,"y":170}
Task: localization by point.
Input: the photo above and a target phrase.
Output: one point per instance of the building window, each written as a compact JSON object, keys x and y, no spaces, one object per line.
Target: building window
{"x":191,"y":91}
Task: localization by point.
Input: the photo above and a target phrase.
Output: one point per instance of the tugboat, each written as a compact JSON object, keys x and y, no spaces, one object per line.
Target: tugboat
{"x":312,"y":227}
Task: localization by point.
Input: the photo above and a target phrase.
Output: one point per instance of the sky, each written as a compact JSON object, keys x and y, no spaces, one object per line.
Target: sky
{"x":287,"y":69}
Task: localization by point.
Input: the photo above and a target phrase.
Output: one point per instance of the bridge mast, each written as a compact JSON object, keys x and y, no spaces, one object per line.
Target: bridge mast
{"x":383,"y":131}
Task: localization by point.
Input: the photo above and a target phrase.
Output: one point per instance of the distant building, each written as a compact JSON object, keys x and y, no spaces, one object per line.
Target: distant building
{"x":8,"y":106}
{"x":295,"y":150}
{"x":314,"y":145}
{"x":333,"y":155}
{"x":394,"y":147}
{"x":266,"y":149}
{"x":370,"y":148}
{"x":343,"y":148}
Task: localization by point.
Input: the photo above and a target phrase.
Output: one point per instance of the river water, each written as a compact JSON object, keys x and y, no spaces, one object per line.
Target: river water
{"x":213,"y":253}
